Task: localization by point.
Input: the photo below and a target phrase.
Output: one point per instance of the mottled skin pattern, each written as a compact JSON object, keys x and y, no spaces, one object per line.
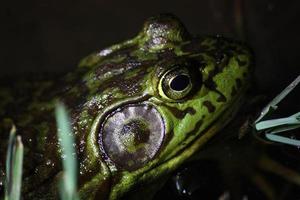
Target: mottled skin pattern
{"x":129,"y":73}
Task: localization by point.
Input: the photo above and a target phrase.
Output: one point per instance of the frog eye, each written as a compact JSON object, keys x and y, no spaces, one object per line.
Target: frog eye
{"x":176,"y":83}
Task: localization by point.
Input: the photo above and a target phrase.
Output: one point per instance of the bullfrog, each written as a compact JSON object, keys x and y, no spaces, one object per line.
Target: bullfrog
{"x":138,"y":109}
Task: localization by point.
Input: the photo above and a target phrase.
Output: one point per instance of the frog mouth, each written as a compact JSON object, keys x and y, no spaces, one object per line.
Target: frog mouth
{"x":129,"y":134}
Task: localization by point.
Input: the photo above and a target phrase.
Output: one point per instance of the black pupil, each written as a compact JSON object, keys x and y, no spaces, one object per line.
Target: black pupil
{"x":180,"y":82}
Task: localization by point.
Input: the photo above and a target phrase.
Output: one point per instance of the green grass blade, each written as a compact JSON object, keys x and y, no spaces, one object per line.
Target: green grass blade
{"x":68,"y":188}
{"x":274,"y":126}
{"x":17,"y":170}
{"x":9,"y":156}
{"x":292,"y":120}
{"x":14,"y":165}
{"x":282,"y":129}
{"x":273,"y":104}
{"x":284,"y":140}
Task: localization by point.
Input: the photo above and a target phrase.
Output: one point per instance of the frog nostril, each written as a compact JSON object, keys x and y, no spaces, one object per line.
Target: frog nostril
{"x":132,"y":135}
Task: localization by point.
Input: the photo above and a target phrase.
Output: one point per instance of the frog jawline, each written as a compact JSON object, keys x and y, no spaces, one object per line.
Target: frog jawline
{"x":148,"y":175}
{"x":225,"y":117}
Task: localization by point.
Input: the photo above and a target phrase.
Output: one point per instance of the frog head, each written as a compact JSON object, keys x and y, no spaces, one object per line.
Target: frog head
{"x":153,"y":101}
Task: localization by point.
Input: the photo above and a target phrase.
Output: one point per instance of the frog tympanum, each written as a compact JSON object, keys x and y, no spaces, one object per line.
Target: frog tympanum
{"x":139,"y":109}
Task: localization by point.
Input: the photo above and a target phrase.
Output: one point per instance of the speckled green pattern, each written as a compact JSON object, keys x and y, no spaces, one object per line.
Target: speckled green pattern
{"x":132,"y":82}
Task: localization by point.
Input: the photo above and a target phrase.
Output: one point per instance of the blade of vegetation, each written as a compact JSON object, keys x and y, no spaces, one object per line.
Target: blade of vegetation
{"x":274,"y":126}
{"x":282,"y":139}
{"x":17,"y":169}
{"x":273,"y":104}
{"x":14,"y":164}
{"x":282,"y":129}
{"x":292,"y":120}
{"x":9,"y":155}
{"x":68,"y":186}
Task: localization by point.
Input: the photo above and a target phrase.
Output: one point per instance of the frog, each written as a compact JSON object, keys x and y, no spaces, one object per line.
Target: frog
{"x":139,"y":109}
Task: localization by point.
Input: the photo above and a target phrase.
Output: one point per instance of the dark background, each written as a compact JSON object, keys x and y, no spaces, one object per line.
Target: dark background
{"x":52,"y":36}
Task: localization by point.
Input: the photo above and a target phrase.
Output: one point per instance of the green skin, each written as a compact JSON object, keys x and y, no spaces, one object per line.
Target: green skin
{"x":134,"y":72}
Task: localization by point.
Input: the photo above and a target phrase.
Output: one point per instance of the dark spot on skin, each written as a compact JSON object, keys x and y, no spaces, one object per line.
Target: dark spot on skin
{"x":194,"y":45}
{"x":209,"y":83}
{"x":241,"y":62}
{"x":167,"y":139}
{"x":212,"y":86}
{"x":237,"y":48}
{"x":233,"y":91}
{"x":125,"y":51}
{"x":221,"y":98}
{"x":129,"y":86}
{"x":167,"y":54}
{"x":198,"y":124}
{"x":104,"y":189}
{"x":180,"y":114}
{"x":219,"y":56}
{"x":191,"y":111}
{"x":125,"y":65}
{"x":238,"y":83}
{"x":197,"y":127}
{"x":88,"y":174}
{"x":221,"y":61}
{"x":73,"y":97}
{"x":210,"y":107}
